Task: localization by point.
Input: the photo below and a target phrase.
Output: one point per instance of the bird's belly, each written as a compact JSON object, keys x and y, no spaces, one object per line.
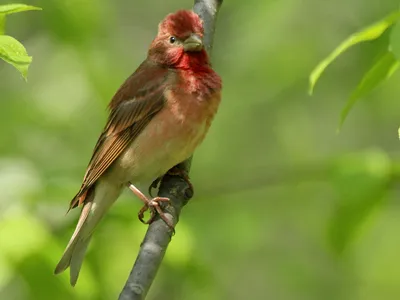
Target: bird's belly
{"x":163,"y":143}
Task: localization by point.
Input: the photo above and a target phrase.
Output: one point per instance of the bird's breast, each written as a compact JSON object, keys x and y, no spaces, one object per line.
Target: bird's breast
{"x":170,"y":137}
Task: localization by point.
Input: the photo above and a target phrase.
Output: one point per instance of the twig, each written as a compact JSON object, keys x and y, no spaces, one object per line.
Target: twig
{"x":158,"y":234}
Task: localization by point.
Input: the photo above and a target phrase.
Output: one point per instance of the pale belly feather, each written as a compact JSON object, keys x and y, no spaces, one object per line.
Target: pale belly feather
{"x":170,"y":138}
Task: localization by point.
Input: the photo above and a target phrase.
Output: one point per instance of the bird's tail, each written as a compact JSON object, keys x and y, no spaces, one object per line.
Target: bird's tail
{"x":92,"y":212}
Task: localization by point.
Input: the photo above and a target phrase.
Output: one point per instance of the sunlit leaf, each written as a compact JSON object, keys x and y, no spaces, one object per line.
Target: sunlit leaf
{"x":15,"y":54}
{"x":380,"y":71}
{"x":14,"y":8}
{"x":370,"y":33}
{"x":11,"y":9}
{"x":2,"y":24}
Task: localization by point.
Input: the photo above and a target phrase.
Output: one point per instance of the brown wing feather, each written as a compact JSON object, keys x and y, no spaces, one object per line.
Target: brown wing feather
{"x":132,"y":107}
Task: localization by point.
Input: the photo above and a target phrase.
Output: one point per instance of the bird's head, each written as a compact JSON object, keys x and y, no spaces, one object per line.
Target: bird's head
{"x":180,"y":35}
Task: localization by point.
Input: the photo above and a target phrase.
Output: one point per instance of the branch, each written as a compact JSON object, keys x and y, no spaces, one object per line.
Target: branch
{"x":158,"y":234}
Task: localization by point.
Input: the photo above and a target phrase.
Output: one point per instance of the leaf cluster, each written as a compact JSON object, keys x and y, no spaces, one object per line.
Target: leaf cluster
{"x":11,"y":50}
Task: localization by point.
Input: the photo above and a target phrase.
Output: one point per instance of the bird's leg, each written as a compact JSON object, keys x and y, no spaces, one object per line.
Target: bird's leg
{"x":152,"y":204}
{"x":176,"y":171}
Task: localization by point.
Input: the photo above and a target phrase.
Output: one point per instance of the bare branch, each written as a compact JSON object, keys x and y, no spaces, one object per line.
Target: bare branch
{"x":158,"y":236}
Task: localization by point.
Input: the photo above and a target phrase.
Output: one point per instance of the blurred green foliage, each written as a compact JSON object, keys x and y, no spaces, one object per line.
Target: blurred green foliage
{"x":283,"y":209}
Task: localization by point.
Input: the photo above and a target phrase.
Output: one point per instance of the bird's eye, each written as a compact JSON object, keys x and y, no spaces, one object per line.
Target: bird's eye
{"x":172,"y":39}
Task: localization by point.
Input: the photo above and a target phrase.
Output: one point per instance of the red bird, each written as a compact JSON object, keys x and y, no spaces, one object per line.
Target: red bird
{"x":157,"y":119}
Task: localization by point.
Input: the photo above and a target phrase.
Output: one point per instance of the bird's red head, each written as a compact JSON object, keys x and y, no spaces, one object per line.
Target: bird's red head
{"x":179,"y":42}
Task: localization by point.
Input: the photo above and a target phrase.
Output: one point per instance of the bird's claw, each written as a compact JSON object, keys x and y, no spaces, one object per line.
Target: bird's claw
{"x":154,"y":206}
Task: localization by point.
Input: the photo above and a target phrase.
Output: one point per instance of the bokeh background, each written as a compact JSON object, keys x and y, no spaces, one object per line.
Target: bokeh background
{"x":284,"y":207}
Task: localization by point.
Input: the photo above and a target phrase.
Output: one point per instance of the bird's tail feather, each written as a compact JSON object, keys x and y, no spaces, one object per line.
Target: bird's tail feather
{"x":96,"y":204}
{"x":76,"y":248}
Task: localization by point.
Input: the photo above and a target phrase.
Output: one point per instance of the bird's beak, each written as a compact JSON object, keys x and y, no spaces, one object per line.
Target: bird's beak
{"x":193,"y":43}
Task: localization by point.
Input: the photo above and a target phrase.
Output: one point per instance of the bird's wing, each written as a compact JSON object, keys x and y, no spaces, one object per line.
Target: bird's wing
{"x":133,"y":106}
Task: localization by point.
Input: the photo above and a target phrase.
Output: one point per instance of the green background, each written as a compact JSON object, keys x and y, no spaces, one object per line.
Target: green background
{"x":284,"y":208}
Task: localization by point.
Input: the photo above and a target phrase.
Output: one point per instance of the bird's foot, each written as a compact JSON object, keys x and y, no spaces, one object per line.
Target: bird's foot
{"x":176,"y":171}
{"x":153,"y":205}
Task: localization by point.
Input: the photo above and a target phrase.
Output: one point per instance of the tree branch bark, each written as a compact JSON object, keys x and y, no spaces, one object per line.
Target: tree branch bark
{"x":158,"y":235}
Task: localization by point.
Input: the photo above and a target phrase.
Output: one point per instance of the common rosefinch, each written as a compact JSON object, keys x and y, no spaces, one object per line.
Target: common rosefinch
{"x":157,"y":119}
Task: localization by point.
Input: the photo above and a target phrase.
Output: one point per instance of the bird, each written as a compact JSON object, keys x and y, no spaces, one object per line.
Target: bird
{"x":157,"y":118}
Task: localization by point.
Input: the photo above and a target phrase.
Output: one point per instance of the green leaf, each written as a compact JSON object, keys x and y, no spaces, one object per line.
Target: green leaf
{"x":380,"y":71}
{"x":11,"y":9}
{"x":15,"y":54}
{"x":368,"y":34}
{"x":15,"y":8}
{"x":2,"y":24}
